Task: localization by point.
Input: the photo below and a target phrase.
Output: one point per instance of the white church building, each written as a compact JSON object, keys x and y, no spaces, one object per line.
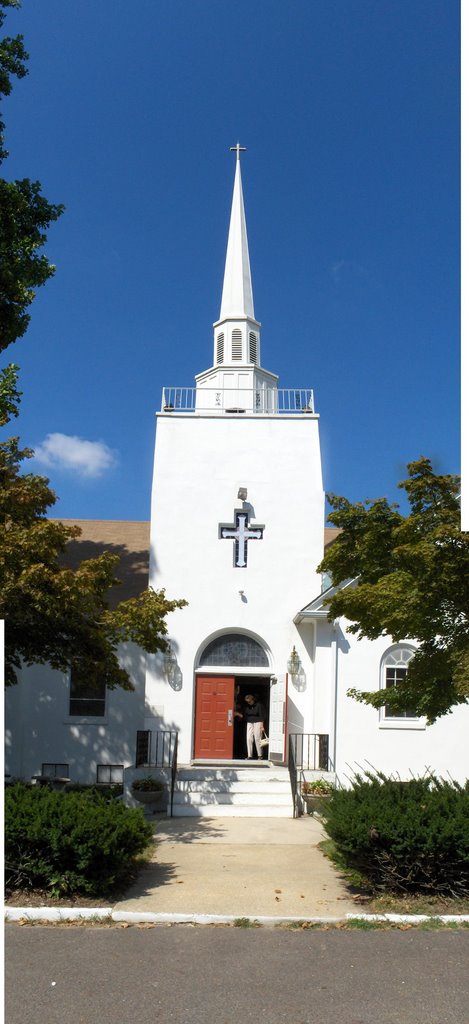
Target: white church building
{"x":234,"y":533}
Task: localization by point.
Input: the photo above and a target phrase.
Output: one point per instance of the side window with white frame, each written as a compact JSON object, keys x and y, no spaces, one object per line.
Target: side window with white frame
{"x":87,"y":699}
{"x":394,"y":667}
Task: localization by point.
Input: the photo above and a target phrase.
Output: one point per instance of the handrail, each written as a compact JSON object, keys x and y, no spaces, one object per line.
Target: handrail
{"x":174,"y":764}
{"x":292,"y":770}
{"x":256,"y":400}
{"x":158,"y":749}
{"x":307,"y":751}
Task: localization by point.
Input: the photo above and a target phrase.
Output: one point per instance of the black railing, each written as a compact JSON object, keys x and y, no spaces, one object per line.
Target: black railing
{"x":306,"y":751}
{"x":158,"y":750}
{"x":174,"y":766}
{"x":155,"y":749}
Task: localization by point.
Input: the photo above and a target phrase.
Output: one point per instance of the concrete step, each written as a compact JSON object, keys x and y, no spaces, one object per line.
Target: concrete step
{"x":231,"y":811}
{"x":232,"y":790}
{"x":233,"y":774}
{"x":227,"y":786}
{"x":228,"y":797}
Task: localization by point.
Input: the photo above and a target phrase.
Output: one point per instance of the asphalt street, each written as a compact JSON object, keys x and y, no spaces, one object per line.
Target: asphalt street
{"x":220,"y":975}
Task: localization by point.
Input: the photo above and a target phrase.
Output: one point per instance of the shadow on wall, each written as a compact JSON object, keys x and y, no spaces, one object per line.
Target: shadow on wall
{"x":40,"y":730}
{"x":132,"y":570}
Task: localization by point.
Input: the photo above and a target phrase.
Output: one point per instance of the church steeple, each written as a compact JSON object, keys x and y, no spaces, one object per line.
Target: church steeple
{"x":237,"y":332}
{"x":237,"y":287}
{"x":236,"y":381}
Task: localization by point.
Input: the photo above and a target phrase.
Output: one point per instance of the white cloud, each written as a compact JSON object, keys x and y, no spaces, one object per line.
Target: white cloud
{"x":87,"y":458}
{"x":344,"y":269}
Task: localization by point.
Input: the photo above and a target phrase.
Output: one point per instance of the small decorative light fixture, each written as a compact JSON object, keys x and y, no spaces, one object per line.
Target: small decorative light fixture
{"x":293,"y":663}
{"x":170,"y":664}
{"x":243,"y":493}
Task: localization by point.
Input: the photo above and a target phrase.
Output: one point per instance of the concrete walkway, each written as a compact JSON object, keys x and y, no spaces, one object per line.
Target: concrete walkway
{"x":261,"y":867}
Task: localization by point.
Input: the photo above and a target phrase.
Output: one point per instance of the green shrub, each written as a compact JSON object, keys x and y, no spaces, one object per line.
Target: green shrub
{"x":70,"y":843}
{"x":404,"y":837}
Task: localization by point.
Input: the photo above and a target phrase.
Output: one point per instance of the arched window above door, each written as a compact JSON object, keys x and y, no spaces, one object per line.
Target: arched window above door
{"x":234,"y":649}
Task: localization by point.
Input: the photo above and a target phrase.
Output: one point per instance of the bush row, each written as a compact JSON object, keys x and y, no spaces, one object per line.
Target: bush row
{"x":70,"y":843}
{"x":404,"y":837}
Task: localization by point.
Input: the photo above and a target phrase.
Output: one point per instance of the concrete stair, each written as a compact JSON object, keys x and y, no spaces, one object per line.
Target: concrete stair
{"x":262,"y":792}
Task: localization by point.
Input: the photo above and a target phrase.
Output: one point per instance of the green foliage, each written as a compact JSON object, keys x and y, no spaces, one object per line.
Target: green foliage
{"x":148,"y":785}
{"x":403,"y":837}
{"x":25,"y":215}
{"x":70,"y":843}
{"x":58,"y":615}
{"x":411,"y":581}
{"x":13,"y":59}
{"x":53,"y":614}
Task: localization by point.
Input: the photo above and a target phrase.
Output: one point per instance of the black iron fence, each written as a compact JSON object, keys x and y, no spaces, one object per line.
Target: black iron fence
{"x":306,"y":751}
{"x":158,"y":749}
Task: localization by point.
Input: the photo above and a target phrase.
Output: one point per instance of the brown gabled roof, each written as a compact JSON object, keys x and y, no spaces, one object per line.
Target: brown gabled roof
{"x":129,"y":540}
{"x":330,"y":535}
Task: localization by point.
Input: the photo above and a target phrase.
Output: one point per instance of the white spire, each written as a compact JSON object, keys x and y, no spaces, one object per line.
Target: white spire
{"x":237,"y":298}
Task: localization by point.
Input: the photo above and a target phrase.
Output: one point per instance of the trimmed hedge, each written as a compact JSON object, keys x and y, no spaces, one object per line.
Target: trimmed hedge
{"x":403,"y":837}
{"x":70,"y":843}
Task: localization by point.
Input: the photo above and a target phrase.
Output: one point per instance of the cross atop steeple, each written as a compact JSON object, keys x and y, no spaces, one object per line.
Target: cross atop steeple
{"x":237,"y":149}
{"x":237,"y":288}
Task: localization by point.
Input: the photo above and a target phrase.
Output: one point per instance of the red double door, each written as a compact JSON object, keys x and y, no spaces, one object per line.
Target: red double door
{"x":214,"y":709}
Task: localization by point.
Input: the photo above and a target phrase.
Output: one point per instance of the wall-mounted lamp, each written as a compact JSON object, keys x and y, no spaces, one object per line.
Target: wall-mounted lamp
{"x":243,"y":493}
{"x":170,"y":665}
{"x":293,"y":663}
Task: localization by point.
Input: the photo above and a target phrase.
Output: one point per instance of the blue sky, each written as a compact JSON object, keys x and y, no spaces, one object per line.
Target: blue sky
{"x":349,"y":110}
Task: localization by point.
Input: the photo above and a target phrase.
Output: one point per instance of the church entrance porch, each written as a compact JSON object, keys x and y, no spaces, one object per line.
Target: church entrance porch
{"x":220,"y":734}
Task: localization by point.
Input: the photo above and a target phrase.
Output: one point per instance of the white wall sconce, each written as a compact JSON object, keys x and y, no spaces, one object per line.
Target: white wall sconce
{"x":170,"y":665}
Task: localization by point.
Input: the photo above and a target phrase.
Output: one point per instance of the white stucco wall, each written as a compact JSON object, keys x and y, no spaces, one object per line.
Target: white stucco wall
{"x":39,"y":728}
{"x":363,"y":737}
{"x":200,"y":463}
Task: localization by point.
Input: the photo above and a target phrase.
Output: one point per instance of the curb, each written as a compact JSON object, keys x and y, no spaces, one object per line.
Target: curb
{"x":55,"y":914}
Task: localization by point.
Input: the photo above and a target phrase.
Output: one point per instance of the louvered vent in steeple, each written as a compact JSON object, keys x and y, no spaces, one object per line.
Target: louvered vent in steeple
{"x":220,"y":347}
{"x":252,"y":347}
{"x":236,"y":344}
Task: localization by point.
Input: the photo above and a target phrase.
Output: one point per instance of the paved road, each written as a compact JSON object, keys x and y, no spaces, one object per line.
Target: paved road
{"x":184,"y":975}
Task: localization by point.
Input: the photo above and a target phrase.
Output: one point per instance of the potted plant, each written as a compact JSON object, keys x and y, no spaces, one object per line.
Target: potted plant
{"x":149,"y":790}
{"x":316,"y":793}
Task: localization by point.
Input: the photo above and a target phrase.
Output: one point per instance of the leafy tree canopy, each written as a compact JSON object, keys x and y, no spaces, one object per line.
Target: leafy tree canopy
{"x":25,"y":214}
{"x":411,"y":581}
{"x":53,"y":614}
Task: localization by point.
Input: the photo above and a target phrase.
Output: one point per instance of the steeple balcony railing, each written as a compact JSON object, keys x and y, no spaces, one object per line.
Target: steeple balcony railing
{"x":259,"y":400}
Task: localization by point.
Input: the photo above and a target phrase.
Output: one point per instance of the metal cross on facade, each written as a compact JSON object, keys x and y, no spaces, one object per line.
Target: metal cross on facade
{"x":240,"y":533}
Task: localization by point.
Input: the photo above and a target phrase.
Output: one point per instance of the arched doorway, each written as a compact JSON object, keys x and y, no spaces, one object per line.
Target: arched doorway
{"x":230,"y":666}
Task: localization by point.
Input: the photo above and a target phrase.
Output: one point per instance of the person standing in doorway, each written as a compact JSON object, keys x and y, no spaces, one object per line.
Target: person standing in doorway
{"x":254,"y":715}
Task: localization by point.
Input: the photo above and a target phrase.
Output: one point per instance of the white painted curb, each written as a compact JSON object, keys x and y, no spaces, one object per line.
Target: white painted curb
{"x":148,"y":917}
{"x":133,"y":917}
{"x":409,"y":918}
{"x":56,"y":913}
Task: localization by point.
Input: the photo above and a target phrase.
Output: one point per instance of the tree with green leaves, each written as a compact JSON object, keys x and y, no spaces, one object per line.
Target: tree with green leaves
{"x":53,"y":614}
{"x":410,"y":578}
